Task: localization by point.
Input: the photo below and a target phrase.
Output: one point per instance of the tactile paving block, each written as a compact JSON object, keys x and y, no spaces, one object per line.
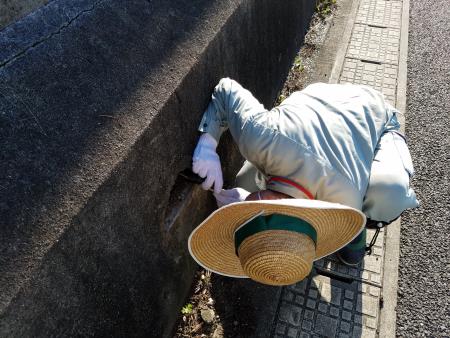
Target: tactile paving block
{"x":320,"y":307}
{"x":374,"y":44}
{"x":380,"y":13}
{"x":382,"y":77}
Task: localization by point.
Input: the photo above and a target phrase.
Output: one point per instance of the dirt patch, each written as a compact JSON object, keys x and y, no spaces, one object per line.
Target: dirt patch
{"x":303,"y":71}
{"x":238,"y":308}
{"x":192,"y":324}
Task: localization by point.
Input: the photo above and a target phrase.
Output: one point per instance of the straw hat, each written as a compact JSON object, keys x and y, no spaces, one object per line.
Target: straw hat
{"x":273,"y":241}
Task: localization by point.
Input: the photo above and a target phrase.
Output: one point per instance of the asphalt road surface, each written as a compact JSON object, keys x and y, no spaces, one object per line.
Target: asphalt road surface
{"x":424,"y":273}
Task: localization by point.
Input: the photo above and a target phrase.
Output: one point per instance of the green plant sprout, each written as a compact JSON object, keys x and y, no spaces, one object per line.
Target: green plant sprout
{"x":298,"y":64}
{"x":187,"y":309}
{"x":324,"y":8}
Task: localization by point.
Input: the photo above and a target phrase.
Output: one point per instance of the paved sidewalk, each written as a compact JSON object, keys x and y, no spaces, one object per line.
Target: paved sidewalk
{"x":338,"y":301}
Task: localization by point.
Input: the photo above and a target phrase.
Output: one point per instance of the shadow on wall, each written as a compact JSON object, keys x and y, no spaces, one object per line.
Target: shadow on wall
{"x":73,"y":107}
{"x":13,"y":10}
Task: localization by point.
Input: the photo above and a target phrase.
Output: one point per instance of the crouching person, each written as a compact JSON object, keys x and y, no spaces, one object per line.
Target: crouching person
{"x":326,"y":159}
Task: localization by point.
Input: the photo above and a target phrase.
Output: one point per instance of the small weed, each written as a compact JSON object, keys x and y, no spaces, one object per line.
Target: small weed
{"x":187,"y":309}
{"x":298,"y":64}
{"x":324,"y":8}
{"x":280,"y":99}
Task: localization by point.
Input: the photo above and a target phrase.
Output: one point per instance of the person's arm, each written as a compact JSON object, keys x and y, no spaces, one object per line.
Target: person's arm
{"x":230,"y":107}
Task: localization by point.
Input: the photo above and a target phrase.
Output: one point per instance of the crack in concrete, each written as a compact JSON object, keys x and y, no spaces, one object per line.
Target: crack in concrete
{"x":49,"y":36}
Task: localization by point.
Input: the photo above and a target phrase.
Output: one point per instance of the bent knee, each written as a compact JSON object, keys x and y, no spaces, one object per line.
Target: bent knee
{"x":386,"y":199}
{"x":387,"y":191}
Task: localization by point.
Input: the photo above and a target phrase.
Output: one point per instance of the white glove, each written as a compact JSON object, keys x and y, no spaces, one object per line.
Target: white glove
{"x":206,"y":163}
{"x":230,"y":196}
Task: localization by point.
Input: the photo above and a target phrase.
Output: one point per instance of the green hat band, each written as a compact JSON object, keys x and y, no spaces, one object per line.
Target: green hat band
{"x":273,"y":222}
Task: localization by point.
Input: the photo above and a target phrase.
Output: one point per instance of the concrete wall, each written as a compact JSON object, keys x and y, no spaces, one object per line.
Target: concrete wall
{"x":99,"y":104}
{"x":13,"y":10}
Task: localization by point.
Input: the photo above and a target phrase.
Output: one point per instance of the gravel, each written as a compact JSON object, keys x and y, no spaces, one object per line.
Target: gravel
{"x":424,"y":272}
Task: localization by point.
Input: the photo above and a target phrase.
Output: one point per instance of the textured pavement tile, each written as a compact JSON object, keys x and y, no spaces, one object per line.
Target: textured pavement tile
{"x":292,"y":332}
{"x":373,"y":263}
{"x":310,"y":304}
{"x":348,"y":305}
{"x":374,"y":291}
{"x":354,"y":309}
{"x":326,"y":326}
{"x":357,"y":331}
{"x":334,"y":311}
{"x":309,"y":315}
{"x":313,"y":293}
{"x":382,"y":77}
{"x":294,"y":316}
{"x":367,"y":305}
{"x":368,"y":333}
{"x":299,"y":300}
{"x":374,"y":44}
{"x":349,"y":294}
{"x":307,"y":325}
{"x":345,"y":327}
{"x":323,"y":307}
{"x":346,"y":315}
{"x":380,"y":13}
{"x":371,"y":322}
{"x":289,"y":296}
{"x":336,"y":295}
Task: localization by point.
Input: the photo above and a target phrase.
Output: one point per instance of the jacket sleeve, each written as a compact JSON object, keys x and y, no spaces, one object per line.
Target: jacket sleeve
{"x":230,"y":108}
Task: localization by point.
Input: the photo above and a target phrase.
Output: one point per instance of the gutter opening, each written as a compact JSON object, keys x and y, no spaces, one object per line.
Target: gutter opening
{"x":179,"y":195}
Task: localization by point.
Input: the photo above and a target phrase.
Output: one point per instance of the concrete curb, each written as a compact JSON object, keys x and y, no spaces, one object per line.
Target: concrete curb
{"x":390,"y":281}
{"x":340,"y":57}
{"x":388,"y":314}
{"x":403,"y":61}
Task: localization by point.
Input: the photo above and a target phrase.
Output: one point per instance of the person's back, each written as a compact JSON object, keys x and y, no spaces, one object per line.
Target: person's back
{"x":323,"y":138}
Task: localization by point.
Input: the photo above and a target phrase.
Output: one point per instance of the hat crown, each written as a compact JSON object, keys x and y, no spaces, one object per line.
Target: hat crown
{"x":277,"y":257}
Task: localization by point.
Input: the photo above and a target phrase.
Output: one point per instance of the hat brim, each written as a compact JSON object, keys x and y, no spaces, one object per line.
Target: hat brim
{"x":211,"y":244}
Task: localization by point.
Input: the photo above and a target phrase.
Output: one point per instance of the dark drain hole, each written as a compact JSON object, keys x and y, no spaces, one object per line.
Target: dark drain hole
{"x":334,"y":275}
{"x":377,"y":26}
{"x":178,"y":196}
{"x":372,"y":62}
